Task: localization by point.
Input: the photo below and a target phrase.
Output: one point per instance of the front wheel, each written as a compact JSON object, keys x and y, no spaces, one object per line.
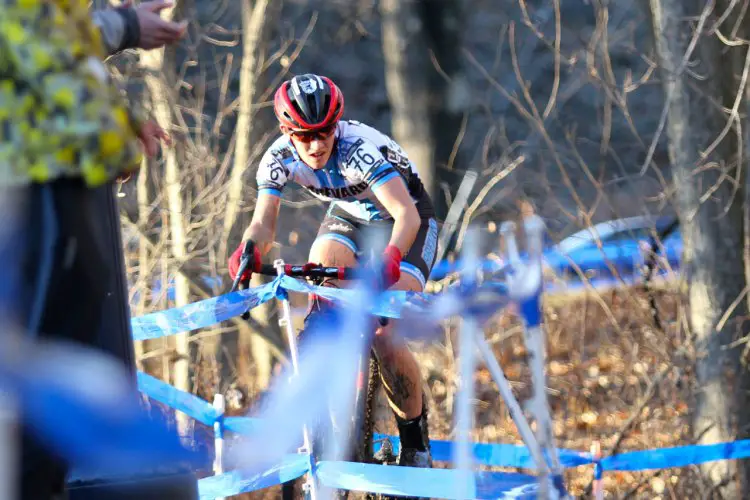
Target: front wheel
{"x":358,"y":433}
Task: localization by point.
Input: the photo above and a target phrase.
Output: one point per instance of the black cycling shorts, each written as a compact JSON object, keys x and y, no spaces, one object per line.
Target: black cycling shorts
{"x":339,"y":225}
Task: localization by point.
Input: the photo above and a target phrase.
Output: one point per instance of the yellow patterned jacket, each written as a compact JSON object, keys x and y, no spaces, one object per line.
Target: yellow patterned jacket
{"x":60,"y":114}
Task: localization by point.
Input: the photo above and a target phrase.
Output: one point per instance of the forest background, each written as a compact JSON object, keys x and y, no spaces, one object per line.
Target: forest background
{"x":581,"y":112}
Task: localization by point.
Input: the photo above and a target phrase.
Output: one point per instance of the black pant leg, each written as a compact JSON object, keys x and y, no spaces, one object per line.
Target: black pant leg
{"x":65,"y":268}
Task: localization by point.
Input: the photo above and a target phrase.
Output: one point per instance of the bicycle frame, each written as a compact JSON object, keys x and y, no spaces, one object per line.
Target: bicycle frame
{"x":352,"y":428}
{"x":280,"y":268}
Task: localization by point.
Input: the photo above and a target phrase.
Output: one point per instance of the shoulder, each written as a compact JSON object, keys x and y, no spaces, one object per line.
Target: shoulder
{"x":277,"y":161}
{"x":280,"y":151}
{"x":282,"y":145}
{"x":355,"y":136}
{"x":353,"y":129}
{"x":359,"y":153}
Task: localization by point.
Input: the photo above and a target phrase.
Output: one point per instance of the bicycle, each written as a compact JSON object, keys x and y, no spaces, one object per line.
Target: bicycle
{"x":360,"y":430}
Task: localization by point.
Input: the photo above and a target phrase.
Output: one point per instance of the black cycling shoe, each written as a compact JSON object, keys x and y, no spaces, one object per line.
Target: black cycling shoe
{"x":411,"y":457}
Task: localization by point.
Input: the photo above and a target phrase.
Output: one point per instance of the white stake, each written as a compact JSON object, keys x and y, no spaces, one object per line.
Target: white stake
{"x":463,"y":457}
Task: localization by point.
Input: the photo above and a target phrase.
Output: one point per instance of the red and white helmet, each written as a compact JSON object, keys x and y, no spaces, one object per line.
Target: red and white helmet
{"x":308,"y":102}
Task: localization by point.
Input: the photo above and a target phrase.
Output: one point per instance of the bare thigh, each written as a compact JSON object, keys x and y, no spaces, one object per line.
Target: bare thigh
{"x":334,"y":254}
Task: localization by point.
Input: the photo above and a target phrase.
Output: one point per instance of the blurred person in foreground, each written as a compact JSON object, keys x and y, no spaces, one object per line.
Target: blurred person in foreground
{"x":370,"y":182}
{"x":66,"y":132}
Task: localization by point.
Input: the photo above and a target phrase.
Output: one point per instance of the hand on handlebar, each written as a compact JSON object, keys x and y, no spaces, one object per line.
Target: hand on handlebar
{"x":245,"y":249}
{"x":387,"y":272}
{"x":307,"y":268}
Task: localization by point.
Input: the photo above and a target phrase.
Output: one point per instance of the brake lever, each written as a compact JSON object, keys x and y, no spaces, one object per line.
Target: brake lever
{"x":244,"y":285}
{"x":239,"y":283}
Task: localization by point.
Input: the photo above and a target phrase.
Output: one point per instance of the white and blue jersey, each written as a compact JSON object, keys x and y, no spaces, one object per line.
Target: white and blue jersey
{"x":363,"y":159}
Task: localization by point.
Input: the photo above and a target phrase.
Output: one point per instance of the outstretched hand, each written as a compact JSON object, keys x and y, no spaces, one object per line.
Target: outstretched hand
{"x":150,"y":135}
{"x":156,"y":31}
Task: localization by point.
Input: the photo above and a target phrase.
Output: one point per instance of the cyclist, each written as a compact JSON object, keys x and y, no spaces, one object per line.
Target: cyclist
{"x":369,"y":181}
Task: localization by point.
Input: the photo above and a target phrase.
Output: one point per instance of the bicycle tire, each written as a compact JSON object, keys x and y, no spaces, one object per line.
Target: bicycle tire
{"x":363,"y":426}
{"x":367,"y":417}
{"x":364,"y":449}
{"x":367,"y":425}
{"x":370,"y":419}
{"x":360,"y":444}
{"x":292,"y":490}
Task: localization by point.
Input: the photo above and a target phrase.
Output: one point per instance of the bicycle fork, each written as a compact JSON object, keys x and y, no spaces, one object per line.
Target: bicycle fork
{"x":285,"y":321}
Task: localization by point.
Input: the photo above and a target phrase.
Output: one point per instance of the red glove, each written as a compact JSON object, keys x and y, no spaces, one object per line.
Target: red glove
{"x":236,"y":258}
{"x":311,"y":265}
{"x":391,"y":270}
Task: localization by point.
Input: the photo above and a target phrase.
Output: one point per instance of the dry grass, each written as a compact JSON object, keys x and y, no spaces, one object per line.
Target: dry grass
{"x":625,"y":386}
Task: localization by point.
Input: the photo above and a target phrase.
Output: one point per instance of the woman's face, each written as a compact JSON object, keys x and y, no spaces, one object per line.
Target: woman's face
{"x":314,"y":146}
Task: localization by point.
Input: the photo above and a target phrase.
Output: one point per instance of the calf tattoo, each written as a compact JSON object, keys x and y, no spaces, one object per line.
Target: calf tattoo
{"x":398,"y":387}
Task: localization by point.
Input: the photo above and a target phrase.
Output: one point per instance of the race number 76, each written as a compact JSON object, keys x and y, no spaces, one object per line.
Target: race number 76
{"x":361,"y":156}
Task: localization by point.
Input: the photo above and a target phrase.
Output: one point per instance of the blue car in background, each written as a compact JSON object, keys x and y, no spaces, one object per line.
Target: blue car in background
{"x":618,"y":230}
{"x":620,"y":244}
{"x":602,"y":252}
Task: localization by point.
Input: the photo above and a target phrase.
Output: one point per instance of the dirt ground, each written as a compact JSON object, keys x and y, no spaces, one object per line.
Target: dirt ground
{"x":613,"y":378}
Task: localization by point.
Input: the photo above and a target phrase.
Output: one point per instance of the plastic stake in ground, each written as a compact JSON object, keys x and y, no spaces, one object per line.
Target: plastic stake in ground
{"x":219,"y":405}
{"x":457,"y":207}
{"x":509,"y":239}
{"x":525,"y":286}
{"x":463,"y":457}
{"x":514,"y":407}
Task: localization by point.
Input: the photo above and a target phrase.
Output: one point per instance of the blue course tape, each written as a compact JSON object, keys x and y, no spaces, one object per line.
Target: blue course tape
{"x":426,"y":483}
{"x":240,"y":425}
{"x":507,"y":455}
{"x":191,"y":405}
{"x":679,"y":456}
{"x":395,"y":481}
{"x":390,"y":304}
{"x":624,"y":255}
{"x":211,"y":311}
{"x":200,"y":314}
{"x":243,"y":481}
{"x":491,"y":454}
{"x":495,"y":454}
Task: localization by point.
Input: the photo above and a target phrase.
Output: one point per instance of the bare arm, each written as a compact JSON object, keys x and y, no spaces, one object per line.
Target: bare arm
{"x":396,"y":199}
{"x":262,"y":229}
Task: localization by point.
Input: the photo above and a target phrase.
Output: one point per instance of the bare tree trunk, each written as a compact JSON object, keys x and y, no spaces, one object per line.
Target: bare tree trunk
{"x":156,"y":80}
{"x":711,"y":221}
{"x":427,"y":87}
{"x":253,"y":21}
{"x":450,"y":90}
{"x":256,"y":20}
{"x":143,"y":255}
{"x":408,"y":84}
